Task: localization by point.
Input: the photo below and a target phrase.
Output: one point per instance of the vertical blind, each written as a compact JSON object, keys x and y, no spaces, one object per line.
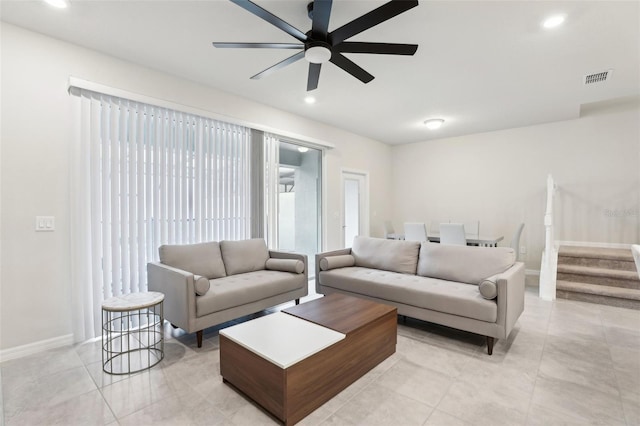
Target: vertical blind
{"x":272,"y":188}
{"x":153,"y":176}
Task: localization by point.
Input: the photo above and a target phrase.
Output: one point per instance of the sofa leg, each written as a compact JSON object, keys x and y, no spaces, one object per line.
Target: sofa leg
{"x":490,"y":342}
{"x":297,"y":301}
{"x":199,"y":338}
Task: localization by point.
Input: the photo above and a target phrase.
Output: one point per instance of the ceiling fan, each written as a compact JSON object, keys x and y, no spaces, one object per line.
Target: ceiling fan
{"x":319,"y":45}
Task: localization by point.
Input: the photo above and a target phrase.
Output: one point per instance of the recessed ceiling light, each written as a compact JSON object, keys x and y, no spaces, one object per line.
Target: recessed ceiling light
{"x":433,"y":123}
{"x":310,"y":100}
{"x":60,"y":4}
{"x":553,"y":21}
{"x":303,"y":149}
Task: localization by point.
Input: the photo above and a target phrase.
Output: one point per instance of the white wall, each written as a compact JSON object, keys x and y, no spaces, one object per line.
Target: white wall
{"x":37,"y":128}
{"x":499,"y":178}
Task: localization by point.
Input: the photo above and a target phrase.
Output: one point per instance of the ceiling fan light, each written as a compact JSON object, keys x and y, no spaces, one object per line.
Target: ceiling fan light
{"x":434,"y":123}
{"x":317,"y":54}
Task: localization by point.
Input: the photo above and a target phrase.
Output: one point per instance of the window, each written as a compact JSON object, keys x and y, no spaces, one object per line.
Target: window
{"x":149,"y":176}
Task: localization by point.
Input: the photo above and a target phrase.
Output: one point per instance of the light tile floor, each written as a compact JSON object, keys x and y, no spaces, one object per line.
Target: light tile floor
{"x":567,"y":362}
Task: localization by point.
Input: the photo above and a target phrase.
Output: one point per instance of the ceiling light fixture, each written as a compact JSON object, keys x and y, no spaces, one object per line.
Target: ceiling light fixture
{"x":317,"y":52}
{"x":310,"y":100}
{"x":553,"y":21}
{"x":60,"y":4}
{"x":303,"y":149}
{"x":433,"y":123}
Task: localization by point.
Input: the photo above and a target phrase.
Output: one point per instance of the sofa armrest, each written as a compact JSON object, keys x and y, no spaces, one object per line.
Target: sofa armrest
{"x":321,"y":256}
{"x":510,"y":298}
{"x":179,"y":293}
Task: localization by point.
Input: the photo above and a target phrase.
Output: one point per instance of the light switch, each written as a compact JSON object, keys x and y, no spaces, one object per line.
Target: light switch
{"x":45,"y":223}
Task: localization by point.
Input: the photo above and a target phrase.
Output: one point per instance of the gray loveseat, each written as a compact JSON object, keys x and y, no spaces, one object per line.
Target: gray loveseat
{"x":210,"y":283}
{"x":476,"y":289}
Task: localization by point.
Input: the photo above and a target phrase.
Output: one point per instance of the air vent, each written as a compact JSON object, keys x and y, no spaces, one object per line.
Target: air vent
{"x":598,"y":77}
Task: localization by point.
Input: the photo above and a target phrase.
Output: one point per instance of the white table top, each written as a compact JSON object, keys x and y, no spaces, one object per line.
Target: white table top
{"x":471,"y":239}
{"x":281,"y":338}
{"x":132,"y":301}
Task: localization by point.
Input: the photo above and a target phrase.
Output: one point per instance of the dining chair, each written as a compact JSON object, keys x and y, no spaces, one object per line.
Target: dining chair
{"x":515,"y":241}
{"x":415,"y":231}
{"x":635,"y":249}
{"x":453,"y":234}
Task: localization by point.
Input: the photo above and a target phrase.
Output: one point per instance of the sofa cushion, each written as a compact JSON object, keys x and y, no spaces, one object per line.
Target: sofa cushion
{"x":339,"y":261}
{"x":200,"y":259}
{"x":452,"y":298}
{"x":389,"y":255}
{"x":244,"y":255}
{"x":201,"y":284}
{"x":463,"y":263}
{"x":237,"y":290}
{"x":285,"y":265}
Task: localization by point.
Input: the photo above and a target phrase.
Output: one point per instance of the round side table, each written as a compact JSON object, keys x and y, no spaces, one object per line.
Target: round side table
{"x":132,"y":335}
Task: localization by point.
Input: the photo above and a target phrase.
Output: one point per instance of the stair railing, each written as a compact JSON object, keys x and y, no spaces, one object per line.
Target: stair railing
{"x":549,"y":263}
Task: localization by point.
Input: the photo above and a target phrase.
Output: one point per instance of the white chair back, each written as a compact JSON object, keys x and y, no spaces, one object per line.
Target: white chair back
{"x":453,"y":234}
{"x":415,"y":231}
{"x":515,"y":241}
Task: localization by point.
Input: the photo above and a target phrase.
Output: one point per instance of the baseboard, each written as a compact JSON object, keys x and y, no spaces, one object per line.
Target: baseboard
{"x":588,"y":244}
{"x":34,"y":348}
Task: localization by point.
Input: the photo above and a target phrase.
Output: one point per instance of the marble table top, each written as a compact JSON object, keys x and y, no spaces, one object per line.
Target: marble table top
{"x":132,"y":301}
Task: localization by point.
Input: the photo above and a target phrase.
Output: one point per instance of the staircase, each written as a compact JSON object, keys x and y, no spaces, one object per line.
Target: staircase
{"x":598,"y":275}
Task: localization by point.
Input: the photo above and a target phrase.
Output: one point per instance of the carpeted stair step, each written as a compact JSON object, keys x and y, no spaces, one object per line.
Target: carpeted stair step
{"x":601,"y":294}
{"x":600,"y":276}
{"x":621,"y":259}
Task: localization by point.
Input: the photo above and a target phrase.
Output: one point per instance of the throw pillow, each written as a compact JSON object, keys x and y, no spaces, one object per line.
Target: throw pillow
{"x":285,"y":265}
{"x":333,"y":262}
{"x":201,"y":284}
{"x":488,"y":288}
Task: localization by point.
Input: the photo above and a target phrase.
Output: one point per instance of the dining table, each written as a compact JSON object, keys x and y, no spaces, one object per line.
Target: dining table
{"x":472,"y":240}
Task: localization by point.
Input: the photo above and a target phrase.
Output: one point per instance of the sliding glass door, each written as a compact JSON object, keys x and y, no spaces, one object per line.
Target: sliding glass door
{"x":296,"y":214}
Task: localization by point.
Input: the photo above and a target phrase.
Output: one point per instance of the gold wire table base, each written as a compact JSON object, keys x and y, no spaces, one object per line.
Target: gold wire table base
{"x":132,"y":335}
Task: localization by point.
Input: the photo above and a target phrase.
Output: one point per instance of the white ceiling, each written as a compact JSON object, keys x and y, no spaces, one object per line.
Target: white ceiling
{"x":480,"y":65}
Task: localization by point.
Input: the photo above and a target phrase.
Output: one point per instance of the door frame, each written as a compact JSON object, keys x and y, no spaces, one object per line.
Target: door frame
{"x":364,"y":201}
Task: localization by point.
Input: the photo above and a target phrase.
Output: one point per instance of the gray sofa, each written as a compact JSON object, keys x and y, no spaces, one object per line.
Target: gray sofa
{"x":476,"y":289}
{"x":210,"y":283}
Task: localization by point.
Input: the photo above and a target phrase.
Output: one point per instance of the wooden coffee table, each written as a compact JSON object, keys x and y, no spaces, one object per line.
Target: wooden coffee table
{"x":320,"y":348}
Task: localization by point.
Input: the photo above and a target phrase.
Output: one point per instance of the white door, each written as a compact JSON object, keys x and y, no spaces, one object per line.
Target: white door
{"x":355,"y":213}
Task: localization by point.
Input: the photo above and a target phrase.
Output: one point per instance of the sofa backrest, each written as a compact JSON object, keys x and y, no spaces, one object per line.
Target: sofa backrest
{"x":244,"y":255}
{"x":463,"y":263}
{"x":203,"y":259}
{"x":389,"y":255}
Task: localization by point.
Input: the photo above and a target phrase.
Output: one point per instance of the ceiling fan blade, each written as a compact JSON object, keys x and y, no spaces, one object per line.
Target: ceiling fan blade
{"x":271,"y":18}
{"x":321,"y":15}
{"x":259,"y":45}
{"x":350,"y":67}
{"x":377,"y":48}
{"x":314,"y":76}
{"x":279,"y":65}
{"x":371,"y":19}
